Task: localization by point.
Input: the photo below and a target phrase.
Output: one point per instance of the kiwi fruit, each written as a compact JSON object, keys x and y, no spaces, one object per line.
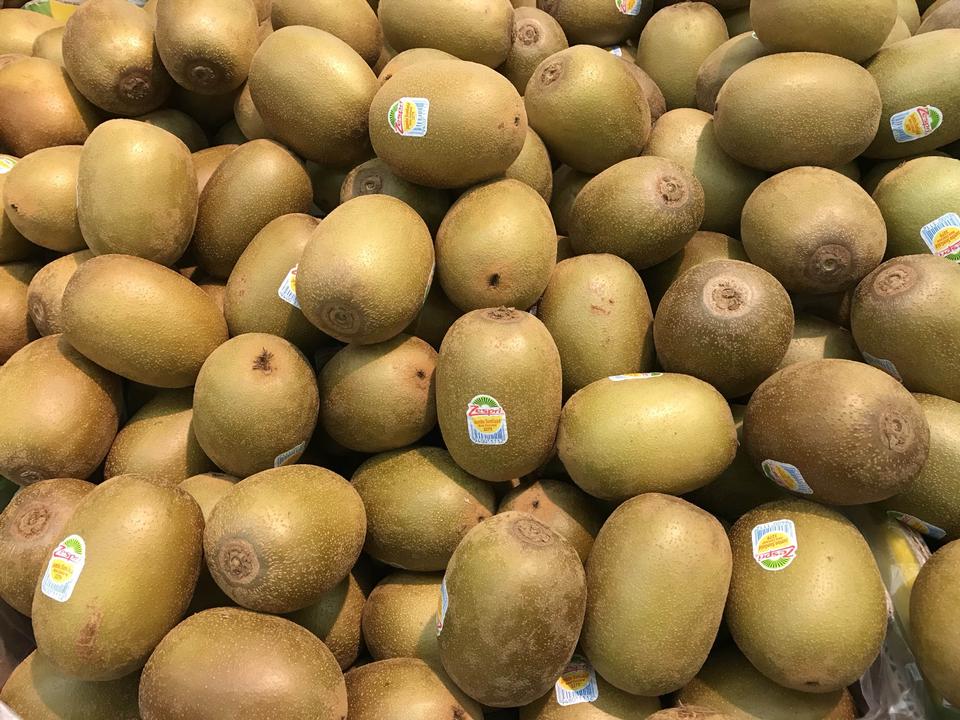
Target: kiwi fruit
{"x":817,"y":339}
{"x":738,"y":21}
{"x":840,"y":431}
{"x":154,"y":327}
{"x":567,"y":184}
{"x":255,"y":404}
{"x":596,"y":301}
{"x":595,"y":22}
{"x":43,"y":107}
{"x":366,"y":270}
{"x":703,"y":247}
{"x":256,"y":183}
{"x":374,"y":177}
{"x":643,"y":632}
{"x":647,"y":432}
{"x":110,"y":54}
{"x":62,"y":413}
{"x":335,"y":619}
{"x":158,"y":441}
{"x":651,"y":91}
{"x":118,"y":631}
{"x":20,"y":29}
{"x":810,"y":566}
{"x":561,"y":506}
{"x":399,"y":617}
{"x":919,"y":214}
{"x":611,"y":702}
{"x":796,"y":95}
{"x":814,"y":230}
{"x":561,"y":103}
{"x":206,"y":162}
{"x":252,"y":303}
{"x":37,"y":689}
{"x":673,"y":46}
{"x":689,"y":712}
{"x":498,"y":424}
{"x":720,"y":64}
{"x":49,"y":45}
{"x":29,"y":526}
{"x":406,"y":689}
{"x":921,"y":105}
{"x":40,"y":198}
{"x":730,"y":684}
{"x":886,"y":322}
{"x":211,"y":111}
{"x":212,"y":664}
{"x":129,"y":202}
{"x":409,"y":57}
{"x":480,"y":31}
{"x":13,"y":245}
{"x":435,"y":317}
{"x":643,"y":210}
{"x":420,"y":528}
{"x":933,"y":604}
{"x":483,"y":612}
{"x":496,"y":246}
{"x":943,"y":16}
{"x":353,"y":21}
{"x":419,"y":125}
{"x":909,"y":12}
{"x":533,"y":166}
{"x":248,"y":118}
{"x":329,"y":83}
{"x":824,"y":26}
{"x":16,"y":327}
{"x":536,"y":36}
{"x":207,"y":45}
{"x":379,"y":397}
{"x":687,"y":137}
{"x":899,"y":32}
{"x":177,"y":122}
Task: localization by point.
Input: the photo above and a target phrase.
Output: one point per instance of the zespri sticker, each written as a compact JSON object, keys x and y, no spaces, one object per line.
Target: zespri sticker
{"x":629,"y":7}
{"x":635,"y":376}
{"x":921,"y":526}
{"x":442,"y":604}
{"x":883,"y":364}
{"x":6,"y":164}
{"x":775,"y":545}
{"x":786,"y":476}
{"x":942,"y":236}
{"x":409,"y":116}
{"x":288,"y":288}
{"x":486,"y":421}
{"x":63,"y":570}
{"x":285,"y":457}
{"x":578,"y":683}
{"x":915,"y":123}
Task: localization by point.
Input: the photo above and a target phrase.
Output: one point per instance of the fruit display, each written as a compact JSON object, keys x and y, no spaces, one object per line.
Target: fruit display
{"x":479,"y":360}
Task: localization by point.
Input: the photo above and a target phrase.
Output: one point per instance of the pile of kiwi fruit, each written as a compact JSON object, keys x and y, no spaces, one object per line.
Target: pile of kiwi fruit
{"x":449,"y":360}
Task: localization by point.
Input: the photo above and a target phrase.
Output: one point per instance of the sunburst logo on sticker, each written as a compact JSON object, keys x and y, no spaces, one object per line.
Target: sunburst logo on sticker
{"x":409,"y":116}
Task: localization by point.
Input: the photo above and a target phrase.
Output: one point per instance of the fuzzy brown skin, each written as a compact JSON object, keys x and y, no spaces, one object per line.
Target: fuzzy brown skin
{"x":206,"y":162}
{"x":890,"y":319}
{"x":122,"y":606}
{"x":726,"y":322}
{"x":37,"y":689}
{"x":508,"y":575}
{"x":797,"y":95}
{"x":141,"y":320}
{"x":829,"y":603}
{"x":406,"y":689}
{"x":945,"y":15}
{"x":208,"y":489}
{"x":933,"y":612}
{"x":611,"y":704}
{"x":688,"y":137}
{"x":210,"y":667}
{"x":595,"y":22}
{"x":597,"y":310}
{"x":247,"y":117}
{"x":251,"y":303}
{"x":353,"y":21}
{"x":435,"y":318}
{"x":536,"y":36}
{"x":567,"y":184}
{"x":335,"y":619}
{"x":722,"y":63}
{"x":118,"y":70}
{"x":906,"y":73}
{"x":410,"y":57}
{"x":478,"y":31}
{"x":255,"y":398}
{"x":20,"y":28}
{"x":855,"y":434}
{"x":62,"y":413}
{"x":460,"y":148}
{"x":561,"y":506}
{"x":400,"y":617}
{"x":671,"y":434}
{"x":49,"y":45}
{"x":158,"y":441}
{"x":41,"y":89}
{"x":690,"y":712}
{"x":16,"y":327}
{"x":818,"y":339}
{"x":350,"y":283}
{"x":29,"y":527}
{"x":374,"y":177}
{"x":419,"y":527}
{"x":533,"y":166}
{"x":255,"y":184}
{"x":180,"y":124}
{"x":496,"y":247}
{"x":648,"y":554}
{"x":730,"y":684}
{"x":256,"y":535}
{"x":40,"y":198}
{"x":473,"y":358}
{"x":13,"y":245}
{"x":588,"y":107}
{"x":643,"y":209}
